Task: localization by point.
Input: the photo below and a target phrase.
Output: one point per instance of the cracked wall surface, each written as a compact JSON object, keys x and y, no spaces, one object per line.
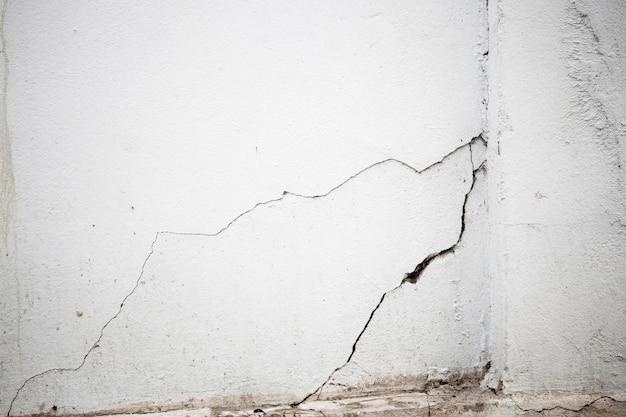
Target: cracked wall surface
{"x":160,"y":258}
{"x":230,"y":207}
{"x":219,"y":328}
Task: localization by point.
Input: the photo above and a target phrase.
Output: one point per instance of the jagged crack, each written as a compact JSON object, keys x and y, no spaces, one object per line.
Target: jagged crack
{"x":226,"y":227}
{"x":413,"y":276}
{"x":321,"y":387}
{"x":575,"y":410}
{"x":95,"y":345}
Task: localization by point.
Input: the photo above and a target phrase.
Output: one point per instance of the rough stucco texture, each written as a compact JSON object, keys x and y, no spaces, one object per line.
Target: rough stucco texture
{"x":557,"y":197}
{"x":139,"y":133}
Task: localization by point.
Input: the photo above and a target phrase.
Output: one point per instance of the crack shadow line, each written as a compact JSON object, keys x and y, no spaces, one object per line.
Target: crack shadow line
{"x":415,"y":275}
{"x":226,"y":227}
{"x":574,"y":410}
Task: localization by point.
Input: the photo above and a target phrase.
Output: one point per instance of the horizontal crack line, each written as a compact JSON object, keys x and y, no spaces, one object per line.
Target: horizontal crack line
{"x":575,"y":410}
{"x":220,"y":231}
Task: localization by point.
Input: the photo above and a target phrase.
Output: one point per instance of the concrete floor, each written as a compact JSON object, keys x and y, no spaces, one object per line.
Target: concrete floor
{"x":441,"y":401}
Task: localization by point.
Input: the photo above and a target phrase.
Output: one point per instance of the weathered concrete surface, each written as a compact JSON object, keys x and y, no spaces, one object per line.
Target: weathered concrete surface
{"x":446,"y":400}
{"x":455,"y":402}
{"x":557,"y":200}
{"x":155,"y":262}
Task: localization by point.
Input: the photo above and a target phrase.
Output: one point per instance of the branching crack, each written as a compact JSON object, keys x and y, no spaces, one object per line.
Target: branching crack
{"x":425,"y":263}
{"x":575,"y":410}
{"x":413,"y":276}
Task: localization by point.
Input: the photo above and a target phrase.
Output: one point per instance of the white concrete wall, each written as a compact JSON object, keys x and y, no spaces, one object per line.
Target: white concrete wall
{"x":151,"y":252}
{"x":219,"y":202}
{"x":557,"y":198}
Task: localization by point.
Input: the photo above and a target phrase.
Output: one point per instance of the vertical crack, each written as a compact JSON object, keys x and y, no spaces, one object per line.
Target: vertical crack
{"x":414,"y":276}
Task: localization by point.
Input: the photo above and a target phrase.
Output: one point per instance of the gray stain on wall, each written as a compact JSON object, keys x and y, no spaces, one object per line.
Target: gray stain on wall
{"x":7,"y":187}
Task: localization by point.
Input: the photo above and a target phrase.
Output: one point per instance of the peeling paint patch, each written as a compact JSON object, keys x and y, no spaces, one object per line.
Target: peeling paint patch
{"x":587,"y":68}
{"x":593,"y":64}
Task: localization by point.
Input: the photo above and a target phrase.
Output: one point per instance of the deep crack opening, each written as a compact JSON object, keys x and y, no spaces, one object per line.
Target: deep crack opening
{"x":413,"y":276}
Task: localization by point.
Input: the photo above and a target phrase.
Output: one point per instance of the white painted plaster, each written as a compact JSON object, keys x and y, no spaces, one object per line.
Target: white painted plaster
{"x":437,"y":327}
{"x":557,"y":199}
{"x":128,"y":119}
{"x":152,"y":255}
{"x":273,"y":303}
